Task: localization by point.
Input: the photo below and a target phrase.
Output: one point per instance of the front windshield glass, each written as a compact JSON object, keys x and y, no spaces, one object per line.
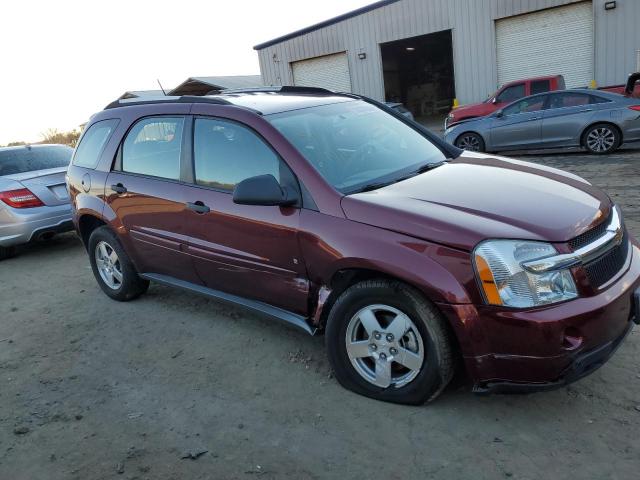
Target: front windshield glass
{"x":355,"y":145}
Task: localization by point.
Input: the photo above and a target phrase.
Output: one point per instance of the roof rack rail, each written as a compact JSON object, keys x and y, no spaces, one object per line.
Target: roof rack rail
{"x":281,"y":89}
{"x":168,"y":99}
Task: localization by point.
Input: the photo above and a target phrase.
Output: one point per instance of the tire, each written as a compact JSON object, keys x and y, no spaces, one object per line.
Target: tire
{"x":7,"y":252}
{"x":427,"y":339}
{"x":601,"y":139}
{"x":470,"y":141}
{"x":124,"y":283}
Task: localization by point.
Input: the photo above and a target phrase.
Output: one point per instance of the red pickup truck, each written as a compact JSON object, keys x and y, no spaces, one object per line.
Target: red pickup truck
{"x":512,"y":91}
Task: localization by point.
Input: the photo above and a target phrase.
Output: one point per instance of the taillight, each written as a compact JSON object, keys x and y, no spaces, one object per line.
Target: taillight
{"x":22,"y":198}
{"x":636,"y":108}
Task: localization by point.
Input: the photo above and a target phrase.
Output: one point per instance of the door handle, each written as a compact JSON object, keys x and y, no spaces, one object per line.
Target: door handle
{"x":119,"y":188}
{"x":198,"y":207}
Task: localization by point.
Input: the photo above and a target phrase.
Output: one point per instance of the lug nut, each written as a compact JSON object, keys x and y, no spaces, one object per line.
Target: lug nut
{"x":377,"y":335}
{"x":389,"y":337}
{"x":383,"y":356}
{"x":393,"y":351}
{"x":373,"y":347}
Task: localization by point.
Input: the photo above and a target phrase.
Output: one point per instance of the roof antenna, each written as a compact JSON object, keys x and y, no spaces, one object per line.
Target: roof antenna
{"x":165,"y":93}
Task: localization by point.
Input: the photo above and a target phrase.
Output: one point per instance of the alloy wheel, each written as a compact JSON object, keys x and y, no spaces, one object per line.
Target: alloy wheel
{"x":469,"y":142}
{"x":384,"y":346}
{"x":108,"y":265}
{"x":601,"y":139}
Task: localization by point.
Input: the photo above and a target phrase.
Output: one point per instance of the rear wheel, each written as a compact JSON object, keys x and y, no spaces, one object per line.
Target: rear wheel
{"x":601,"y":139}
{"x":387,"y":342}
{"x":112,"y":267}
{"x":470,"y":141}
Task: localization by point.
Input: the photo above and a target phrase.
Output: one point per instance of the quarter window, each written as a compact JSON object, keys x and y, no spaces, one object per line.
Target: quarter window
{"x":225,"y":153}
{"x":153,"y":147}
{"x":511,"y":94}
{"x":92,"y":143}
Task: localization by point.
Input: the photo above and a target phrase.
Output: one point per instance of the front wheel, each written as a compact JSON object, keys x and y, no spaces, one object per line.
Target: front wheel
{"x":470,"y":141}
{"x":387,"y":342}
{"x":112,"y":267}
{"x":601,"y":139}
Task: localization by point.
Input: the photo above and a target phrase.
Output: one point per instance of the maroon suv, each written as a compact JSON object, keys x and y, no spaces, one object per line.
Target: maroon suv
{"x":334,"y":213}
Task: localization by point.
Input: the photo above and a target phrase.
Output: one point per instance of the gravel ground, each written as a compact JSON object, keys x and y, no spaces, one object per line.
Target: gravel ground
{"x":91,"y":389}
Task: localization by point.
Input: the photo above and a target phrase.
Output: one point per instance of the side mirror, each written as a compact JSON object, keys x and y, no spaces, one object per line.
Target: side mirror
{"x":499,"y":114}
{"x":262,"y":190}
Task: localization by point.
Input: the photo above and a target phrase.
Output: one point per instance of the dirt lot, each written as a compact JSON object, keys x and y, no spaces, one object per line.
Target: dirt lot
{"x":91,"y":389}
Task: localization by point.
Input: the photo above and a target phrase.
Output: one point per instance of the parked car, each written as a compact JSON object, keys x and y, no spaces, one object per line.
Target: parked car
{"x":34,"y":203}
{"x":335,"y":213}
{"x":598,"y":121}
{"x":400,"y":108}
{"x":507,"y":94}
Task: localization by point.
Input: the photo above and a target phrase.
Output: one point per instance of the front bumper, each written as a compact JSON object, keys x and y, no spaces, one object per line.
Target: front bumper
{"x":18,"y":226}
{"x":582,"y":365}
{"x":540,"y":349}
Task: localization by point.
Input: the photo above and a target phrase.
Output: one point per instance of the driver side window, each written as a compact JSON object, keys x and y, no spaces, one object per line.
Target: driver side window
{"x":525,"y":106}
{"x":225,"y":153}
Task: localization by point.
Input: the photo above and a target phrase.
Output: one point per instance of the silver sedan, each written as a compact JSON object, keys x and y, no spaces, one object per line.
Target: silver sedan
{"x":597,"y":121}
{"x":34,"y":202}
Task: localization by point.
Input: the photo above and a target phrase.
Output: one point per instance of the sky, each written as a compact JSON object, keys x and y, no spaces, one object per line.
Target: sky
{"x":61,"y":61}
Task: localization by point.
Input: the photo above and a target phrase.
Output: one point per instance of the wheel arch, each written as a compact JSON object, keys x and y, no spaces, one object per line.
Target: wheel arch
{"x":87,"y":223}
{"x":344,"y":278}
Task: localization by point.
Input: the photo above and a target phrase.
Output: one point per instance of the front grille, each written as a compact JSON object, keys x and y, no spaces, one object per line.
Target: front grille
{"x":603,"y":269}
{"x":590,"y":235}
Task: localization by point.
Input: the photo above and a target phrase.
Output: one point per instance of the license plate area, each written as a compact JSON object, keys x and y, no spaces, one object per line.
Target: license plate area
{"x":60,"y":191}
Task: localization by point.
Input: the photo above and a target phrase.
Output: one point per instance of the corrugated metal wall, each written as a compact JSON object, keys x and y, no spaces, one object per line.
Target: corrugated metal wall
{"x":617,"y":39}
{"x":474,"y":44}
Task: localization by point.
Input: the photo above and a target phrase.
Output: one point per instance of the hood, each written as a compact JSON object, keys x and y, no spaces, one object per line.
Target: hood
{"x":477,"y":196}
{"x":474,"y":110}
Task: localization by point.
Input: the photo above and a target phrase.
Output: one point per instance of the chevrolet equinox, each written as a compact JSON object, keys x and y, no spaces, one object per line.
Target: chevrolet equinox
{"x":334,"y":213}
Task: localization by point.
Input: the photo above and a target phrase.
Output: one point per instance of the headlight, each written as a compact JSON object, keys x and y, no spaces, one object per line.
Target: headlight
{"x":505,"y":282}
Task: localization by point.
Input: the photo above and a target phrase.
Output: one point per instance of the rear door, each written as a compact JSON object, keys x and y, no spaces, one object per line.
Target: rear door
{"x":519,"y":126}
{"x":245,"y":250}
{"x":145,"y":192}
{"x":565,"y":118}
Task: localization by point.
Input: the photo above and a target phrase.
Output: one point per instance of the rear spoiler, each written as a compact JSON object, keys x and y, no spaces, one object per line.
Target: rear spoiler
{"x":631,"y":83}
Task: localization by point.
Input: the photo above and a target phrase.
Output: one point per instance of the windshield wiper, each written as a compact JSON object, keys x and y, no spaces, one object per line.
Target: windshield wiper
{"x":423,"y":168}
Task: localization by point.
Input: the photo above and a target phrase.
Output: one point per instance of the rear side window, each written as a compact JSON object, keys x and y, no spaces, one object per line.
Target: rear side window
{"x":31,"y":158}
{"x":92,"y":143}
{"x":225,"y":153}
{"x":512,"y":93}
{"x":540,"y":86}
{"x":153,"y":147}
{"x":563,"y":100}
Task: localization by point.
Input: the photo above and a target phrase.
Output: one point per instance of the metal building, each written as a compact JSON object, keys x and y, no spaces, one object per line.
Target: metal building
{"x":425,"y":53}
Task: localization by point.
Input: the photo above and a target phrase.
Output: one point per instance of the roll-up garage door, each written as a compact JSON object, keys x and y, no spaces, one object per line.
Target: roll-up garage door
{"x":548,"y":42}
{"x":329,"y":71}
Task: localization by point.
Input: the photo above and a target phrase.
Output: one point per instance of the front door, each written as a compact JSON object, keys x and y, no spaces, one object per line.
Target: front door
{"x":249,"y":251}
{"x":144,"y":192}
{"x":519,"y":125}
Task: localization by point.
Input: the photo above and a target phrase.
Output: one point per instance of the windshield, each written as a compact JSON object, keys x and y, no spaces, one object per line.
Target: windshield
{"x":355,"y":145}
{"x":29,"y":159}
